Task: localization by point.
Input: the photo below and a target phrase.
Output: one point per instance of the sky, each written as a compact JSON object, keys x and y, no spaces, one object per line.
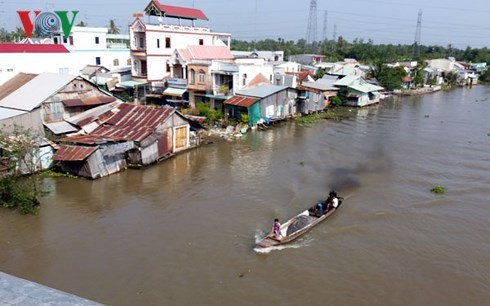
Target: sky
{"x":444,"y":22}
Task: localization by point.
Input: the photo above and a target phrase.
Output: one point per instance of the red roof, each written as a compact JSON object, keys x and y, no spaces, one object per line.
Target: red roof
{"x":178,"y":11}
{"x":32,"y":48}
{"x":73,"y":153}
{"x":407,"y":79}
{"x":241,"y":101}
{"x":205,"y":53}
{"x":257,"y":80}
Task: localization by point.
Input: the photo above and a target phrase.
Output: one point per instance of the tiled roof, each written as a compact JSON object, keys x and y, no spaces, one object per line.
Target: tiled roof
{"x":257,"y":80}
{"x":179,"y":12}
{"x":241,"y":101}
{"x":32,"y":48}
{"x":185,"y":54}
{"x":73,"y":153}
{"x":205,"y":53}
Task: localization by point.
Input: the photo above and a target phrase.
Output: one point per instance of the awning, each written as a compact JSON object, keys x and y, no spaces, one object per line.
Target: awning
{"x":216,"y":97}
{"x":100,"y":80}
{"x":61,"y":127}
{"x":174,"y":92}
{"x":130,"y":84}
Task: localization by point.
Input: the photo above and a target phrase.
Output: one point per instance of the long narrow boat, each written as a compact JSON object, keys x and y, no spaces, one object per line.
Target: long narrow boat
{"x":297,"y":226}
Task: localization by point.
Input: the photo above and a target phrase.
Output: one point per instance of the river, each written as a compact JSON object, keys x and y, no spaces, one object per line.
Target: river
{"x":182,"y":232}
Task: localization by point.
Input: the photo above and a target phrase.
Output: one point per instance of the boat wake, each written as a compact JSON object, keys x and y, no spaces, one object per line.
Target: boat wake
{"x":294,"y":245}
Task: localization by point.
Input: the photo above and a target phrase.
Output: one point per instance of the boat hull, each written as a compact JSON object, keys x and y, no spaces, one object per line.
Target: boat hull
{"x":271,"y":240}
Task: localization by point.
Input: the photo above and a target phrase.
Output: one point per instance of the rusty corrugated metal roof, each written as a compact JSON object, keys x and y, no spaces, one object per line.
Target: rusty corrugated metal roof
{"x":73,"y":153}
{"x":122,"y":123}
{"x":89,"y":101}
{"x":133,"y":122}
{"x":241,"y":101}
{"x":84,"y":139}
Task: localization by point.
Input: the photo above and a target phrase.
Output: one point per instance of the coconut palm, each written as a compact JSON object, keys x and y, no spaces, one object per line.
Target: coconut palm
{"x":113,"y":28}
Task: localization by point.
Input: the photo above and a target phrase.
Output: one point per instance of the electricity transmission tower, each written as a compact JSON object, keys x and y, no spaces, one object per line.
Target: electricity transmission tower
{"x":325,"y":16}
{"x":416,"y":44}
{"x":312,"y":24}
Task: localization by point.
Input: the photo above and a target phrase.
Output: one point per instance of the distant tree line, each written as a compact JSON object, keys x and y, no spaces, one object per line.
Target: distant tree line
{"x":363,"y":51}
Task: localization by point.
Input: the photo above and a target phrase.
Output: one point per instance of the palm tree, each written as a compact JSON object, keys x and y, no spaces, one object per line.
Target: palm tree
{"x":451,"y":78}
{"x":113,"y":29}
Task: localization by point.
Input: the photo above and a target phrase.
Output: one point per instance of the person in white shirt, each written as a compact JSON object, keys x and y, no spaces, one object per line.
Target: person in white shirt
{"x":332,"y":201}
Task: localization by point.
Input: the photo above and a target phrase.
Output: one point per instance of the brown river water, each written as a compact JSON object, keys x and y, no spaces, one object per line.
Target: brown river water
{"x":183,"y":232}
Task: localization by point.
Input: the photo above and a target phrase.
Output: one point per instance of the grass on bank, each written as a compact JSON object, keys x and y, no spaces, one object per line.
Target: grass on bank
{"x":337,"y":113}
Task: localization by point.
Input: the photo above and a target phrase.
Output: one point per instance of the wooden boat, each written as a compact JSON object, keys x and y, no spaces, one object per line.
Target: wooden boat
{"x":297,"y":226}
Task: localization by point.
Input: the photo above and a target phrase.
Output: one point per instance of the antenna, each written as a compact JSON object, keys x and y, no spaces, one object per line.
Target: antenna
{"x":312,"y":24}
{"x":416,"y":44}
{"x":325,"y":16}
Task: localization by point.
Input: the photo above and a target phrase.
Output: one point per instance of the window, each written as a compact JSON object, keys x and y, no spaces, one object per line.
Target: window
{"x":96,"y":40}
{"x":201,"y":42}
{"x":128,"y":62}
{"x":167,"y":68}
{"x":116,"y":62}
{"x":202,"y":77}
{"x":65,"y":40}
{"x":56,"y":40}
{"x":158,"y":43}
{"x":192,"y":76}
{"x":97,"y":60}
{"x":71,"y":40}
{"x":167,"y":43}
{"x":142,"y":43}
{"x":244,"y":79}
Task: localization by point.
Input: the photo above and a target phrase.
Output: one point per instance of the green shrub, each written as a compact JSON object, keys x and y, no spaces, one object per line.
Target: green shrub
{"x":244,"y":118}
{"x":336,"y":101}
{"x":16,"y":193}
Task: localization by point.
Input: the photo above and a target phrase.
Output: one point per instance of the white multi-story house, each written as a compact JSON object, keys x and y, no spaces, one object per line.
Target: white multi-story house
{"x":163,"y":29}
{"x":84,"y":46}
{"x":94,"y":46}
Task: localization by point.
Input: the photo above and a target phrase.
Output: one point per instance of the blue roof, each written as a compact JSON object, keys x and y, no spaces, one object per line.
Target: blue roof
{"x":261,"y":91}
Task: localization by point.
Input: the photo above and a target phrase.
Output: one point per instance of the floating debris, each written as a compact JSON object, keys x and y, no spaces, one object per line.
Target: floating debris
{"x":439,"y":189}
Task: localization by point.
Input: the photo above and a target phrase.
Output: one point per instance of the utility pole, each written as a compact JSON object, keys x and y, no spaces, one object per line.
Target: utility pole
{"x":416,"y":44}
{"x":312,"y":24}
